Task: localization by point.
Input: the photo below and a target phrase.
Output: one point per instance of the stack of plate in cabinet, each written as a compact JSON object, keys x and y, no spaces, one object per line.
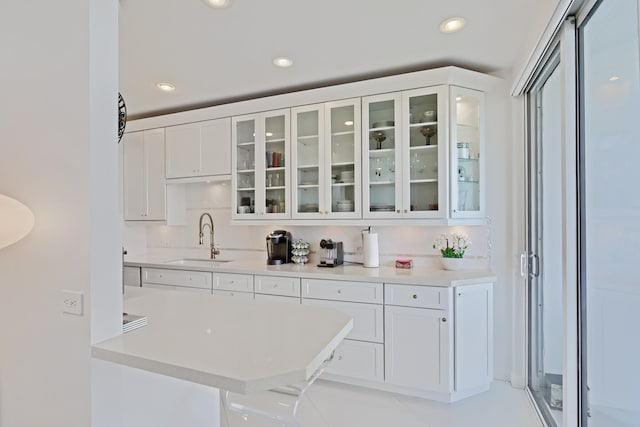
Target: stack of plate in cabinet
{"x":382,"y":208}
{"x":344,"y":206}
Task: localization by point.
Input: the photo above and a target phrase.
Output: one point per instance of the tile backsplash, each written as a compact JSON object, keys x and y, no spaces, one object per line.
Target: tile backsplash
{"x":188,"y":201}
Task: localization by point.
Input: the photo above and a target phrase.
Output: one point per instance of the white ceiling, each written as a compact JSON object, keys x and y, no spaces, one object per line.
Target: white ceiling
{"x":214,"y":56}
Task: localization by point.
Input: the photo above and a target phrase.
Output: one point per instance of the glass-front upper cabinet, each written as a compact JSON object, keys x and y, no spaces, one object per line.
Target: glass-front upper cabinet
{"x":425,"y":137}
{"x":467,"y":145}
{"x":260,"y":173}
{"x":326,"y":153}
{"x":382,"y":156}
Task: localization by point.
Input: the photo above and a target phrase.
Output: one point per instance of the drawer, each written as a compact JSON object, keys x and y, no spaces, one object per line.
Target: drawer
{"x":192,"y":279}
{"x":357,"y":359}
{"x":233,"y":282}
{"x":274,"y":285}
{"x":267,"y":297}
{"x":342,"y":291}
{"x":238,"y":294}
{"x":131,"y":276}
{"x":416,"y":296}
{"x":176,"y":288}
{"x":368,"y":322}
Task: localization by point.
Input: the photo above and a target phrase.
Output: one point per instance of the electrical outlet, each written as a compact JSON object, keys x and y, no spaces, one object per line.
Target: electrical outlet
{"x":71,"y":302}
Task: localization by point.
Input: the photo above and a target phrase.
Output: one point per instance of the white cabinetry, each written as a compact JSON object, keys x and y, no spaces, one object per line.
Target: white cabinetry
{"x":467,"y":153}
{"x":405,"y":153}
{"x":326,"y":154}
{"x":233,"y":285}
{"x":260,"y":166}
{"x":177,"y":278}
{"x":144,"y":176}
{"x":131,"y":276}
{"x":439,"y":340}
{"x":361,"y":354}
{"x":278,"y":288}
{"x":199,"y":149}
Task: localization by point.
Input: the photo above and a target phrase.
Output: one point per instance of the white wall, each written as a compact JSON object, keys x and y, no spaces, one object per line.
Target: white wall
{"x":58,"y":156}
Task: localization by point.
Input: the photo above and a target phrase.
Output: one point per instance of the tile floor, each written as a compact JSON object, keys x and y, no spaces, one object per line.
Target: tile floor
{"x":329,"y":404}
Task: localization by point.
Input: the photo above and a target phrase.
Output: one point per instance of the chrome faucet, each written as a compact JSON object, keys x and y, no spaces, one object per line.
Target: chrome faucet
{"x":201,"y":226}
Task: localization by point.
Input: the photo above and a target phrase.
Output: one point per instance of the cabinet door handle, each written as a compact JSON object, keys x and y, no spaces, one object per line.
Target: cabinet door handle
{"x":406,"y":211}
{"x":444,"y":319}
{"x":339,"y":291}
{"x":339,"y":357}
{"x":398,"y":211}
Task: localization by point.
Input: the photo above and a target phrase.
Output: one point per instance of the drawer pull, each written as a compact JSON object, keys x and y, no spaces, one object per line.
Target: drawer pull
{"x":275,"y":286}
{"x":339,"y":357}
{"x":414,"y":296}
{"x":231,"y":281}
{"x":444,"y":319}
{"x":339,"y":291}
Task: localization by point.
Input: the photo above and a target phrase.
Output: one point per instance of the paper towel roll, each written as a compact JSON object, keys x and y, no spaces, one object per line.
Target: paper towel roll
{"x":370,"y":249}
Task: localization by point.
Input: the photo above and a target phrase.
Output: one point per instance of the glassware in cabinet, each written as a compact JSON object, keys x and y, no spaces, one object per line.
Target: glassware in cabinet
{"x":342,"y":128}
{"x":424,"y":120}
{"x":260,"y":172}
{"x":467,"y":145}
{"x":381,"y":144}
{"x":307,"y":152}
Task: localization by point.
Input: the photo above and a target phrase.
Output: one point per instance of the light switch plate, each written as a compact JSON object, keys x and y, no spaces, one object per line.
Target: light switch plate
{"x":72,"y":302}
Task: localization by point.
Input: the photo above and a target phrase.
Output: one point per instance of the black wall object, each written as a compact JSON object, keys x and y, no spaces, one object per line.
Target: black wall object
{"x":122,"y":116}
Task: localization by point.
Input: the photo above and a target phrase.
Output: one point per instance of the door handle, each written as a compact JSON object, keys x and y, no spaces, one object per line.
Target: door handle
{"x":534,"y":263}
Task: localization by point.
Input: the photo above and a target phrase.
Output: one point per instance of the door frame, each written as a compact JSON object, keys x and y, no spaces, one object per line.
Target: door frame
{"x":565,"y":44}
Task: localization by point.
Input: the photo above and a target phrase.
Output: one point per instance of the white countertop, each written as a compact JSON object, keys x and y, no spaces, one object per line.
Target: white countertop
{"x":353,"y":272}
{"x":233,"y":344}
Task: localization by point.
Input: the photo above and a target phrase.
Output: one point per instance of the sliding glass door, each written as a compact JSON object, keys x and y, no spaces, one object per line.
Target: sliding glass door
{"x":610,"y":215}
{"x":544,"y":281}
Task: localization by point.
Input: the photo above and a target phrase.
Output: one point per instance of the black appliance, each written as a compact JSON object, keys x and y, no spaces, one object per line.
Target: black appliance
{"x":331,"y":254}
{"x":279,"y":247}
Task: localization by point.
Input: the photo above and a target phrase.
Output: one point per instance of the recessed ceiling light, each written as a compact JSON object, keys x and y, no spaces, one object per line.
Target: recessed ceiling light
{"x":614,"y":78}
{"x":458,"y":98}
{"x":349,"y":123}
{"x":217,"y":3}
{"x":269,"y":134}
{"x":282,"y":62}
{"x":167,"y":87}
{"x":452,"y":25}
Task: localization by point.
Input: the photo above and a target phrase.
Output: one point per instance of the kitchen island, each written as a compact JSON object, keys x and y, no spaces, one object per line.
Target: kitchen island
{"x":239,"y":346}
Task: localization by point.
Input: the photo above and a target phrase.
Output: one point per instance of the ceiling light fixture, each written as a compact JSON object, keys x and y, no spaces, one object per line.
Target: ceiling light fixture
{"x":217,"y":3}
{"x":166,"y":87}
{"x":282,"y":62}
{"x":452,"y":25}
{"x":614,"y":78}
{"x":458,"y":98}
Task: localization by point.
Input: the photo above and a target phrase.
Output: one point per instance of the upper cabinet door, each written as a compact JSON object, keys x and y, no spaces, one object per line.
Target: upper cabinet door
{"x":307,"y":152}
{"x":467,"y":153}
{"x":382,"y":156}
{"x":343,"y":194}
{"x":260,"y":172}
{"x":144,"y":172}
{"x":424,"y":162}
{"x":199,"y":149}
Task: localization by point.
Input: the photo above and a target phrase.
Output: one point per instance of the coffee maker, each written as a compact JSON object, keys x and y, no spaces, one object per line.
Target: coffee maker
{"x":331,"y":254}
{"x":278,"y":247}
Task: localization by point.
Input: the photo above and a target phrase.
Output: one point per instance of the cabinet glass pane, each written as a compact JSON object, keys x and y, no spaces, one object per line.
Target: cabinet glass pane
{"x":468,"y":151}
{"x":275,"y":164}
{"x":342,"y":159}
{"x":423,"y":152}
{"x":308,"y":161}
{"x":245,"y":155}
{"x":382,"y":156}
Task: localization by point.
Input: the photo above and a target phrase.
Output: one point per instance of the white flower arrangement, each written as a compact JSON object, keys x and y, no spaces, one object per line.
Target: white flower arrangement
{"x":452,"y":245}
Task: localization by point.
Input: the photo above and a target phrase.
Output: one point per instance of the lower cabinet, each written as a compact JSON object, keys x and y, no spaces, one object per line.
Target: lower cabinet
{"x":358,"y":359}
{"x":131,"y":276}
{"x":417,"y":348}
{"x":176,"y":278}
{"x":233,"y":285}
{"x":427,"y":341}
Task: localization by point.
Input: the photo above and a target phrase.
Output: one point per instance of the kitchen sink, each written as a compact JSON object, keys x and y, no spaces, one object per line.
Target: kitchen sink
{"x":206,"y":262}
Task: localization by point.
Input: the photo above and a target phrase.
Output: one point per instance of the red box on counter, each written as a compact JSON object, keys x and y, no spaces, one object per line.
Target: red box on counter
{"x":404,"y":263}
